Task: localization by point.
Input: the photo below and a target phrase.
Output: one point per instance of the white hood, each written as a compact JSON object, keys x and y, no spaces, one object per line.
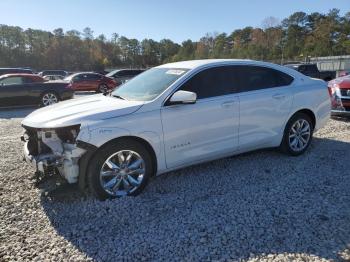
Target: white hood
{"x":80,"y":111}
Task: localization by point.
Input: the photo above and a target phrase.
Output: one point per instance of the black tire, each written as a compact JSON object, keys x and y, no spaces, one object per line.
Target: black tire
{"x":99,"y":158}
{"x":51,"y":94}
{"x":286,"y":144}
{"x":102,"y":88}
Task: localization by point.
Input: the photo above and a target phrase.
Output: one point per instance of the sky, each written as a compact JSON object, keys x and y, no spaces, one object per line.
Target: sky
{"x":177,"y":20}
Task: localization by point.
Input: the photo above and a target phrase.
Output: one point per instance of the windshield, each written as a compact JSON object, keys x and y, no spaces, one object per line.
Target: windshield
{"x":148,"y":85}
{"x":70,"y":77}
{"x":112,"y":73}
{"x":295,"y":67}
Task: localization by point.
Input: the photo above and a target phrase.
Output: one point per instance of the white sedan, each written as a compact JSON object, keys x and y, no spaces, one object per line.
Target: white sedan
{"x":172,"y":116}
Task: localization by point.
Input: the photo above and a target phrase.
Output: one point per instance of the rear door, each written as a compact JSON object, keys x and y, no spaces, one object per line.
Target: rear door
{"x":265,"y":102}
{"x":81,"y":82}
{"x":208,"y":128}
{"x":34,"y":87}
{"x":13,"y":92}
{"x":94,"y":80}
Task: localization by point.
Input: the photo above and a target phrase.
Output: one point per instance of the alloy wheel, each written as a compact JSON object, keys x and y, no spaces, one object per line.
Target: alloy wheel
{"x":122,"y":173}
{"x":49,"y":99}
{"x":299,"y":135}
{"x":103,"y":88}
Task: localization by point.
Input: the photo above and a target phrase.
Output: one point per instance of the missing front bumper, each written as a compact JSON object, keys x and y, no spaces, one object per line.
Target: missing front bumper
{"x":58,"y":157}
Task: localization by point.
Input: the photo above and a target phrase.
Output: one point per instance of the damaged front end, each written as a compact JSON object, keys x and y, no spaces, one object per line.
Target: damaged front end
{"x":53,"y":151}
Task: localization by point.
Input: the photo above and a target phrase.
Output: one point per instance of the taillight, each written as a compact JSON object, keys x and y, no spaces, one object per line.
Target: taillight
{"x":70,"y":86}
{"x":334,"y":93}
{"x":330,"y":91}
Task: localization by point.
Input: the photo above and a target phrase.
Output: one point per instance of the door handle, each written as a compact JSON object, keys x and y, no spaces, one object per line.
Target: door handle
{"x":228,"y":104}
{"x":278,"y":96}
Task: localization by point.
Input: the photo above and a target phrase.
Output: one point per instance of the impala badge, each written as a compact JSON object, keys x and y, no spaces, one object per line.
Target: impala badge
{"x":178,"y":146}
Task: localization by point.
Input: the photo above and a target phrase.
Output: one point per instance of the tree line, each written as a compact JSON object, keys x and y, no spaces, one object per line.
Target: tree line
{"x":294,"y":38}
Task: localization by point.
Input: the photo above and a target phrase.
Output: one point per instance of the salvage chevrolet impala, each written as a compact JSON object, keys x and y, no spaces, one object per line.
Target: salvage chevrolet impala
{"x":172,"y":116}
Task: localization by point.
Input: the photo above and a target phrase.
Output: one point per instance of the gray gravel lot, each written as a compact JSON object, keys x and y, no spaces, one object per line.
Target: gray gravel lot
{"x":260,"y":206}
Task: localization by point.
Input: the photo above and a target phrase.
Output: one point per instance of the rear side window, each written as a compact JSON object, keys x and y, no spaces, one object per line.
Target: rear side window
{"x":93,"y":76}
{"x":213,"y":82}
{"x":257,"y":77}
{"x":28,"y":80}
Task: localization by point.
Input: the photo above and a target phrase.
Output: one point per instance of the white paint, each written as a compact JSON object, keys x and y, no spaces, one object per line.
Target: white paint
{"x":183,"y":135}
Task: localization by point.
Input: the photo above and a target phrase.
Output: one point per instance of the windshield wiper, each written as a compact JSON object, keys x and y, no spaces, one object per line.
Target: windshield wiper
{"x":118,"y":97}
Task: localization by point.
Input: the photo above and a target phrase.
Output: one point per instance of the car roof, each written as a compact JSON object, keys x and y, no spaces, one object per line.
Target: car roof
{"x":192,"y":64}
{"x":90,"y":72}
{"x":20,"y":74}
{"x":54,"y":70}
{"x":15,"y":68}
{"x":199,"y":64}
{"x":295,"y":65}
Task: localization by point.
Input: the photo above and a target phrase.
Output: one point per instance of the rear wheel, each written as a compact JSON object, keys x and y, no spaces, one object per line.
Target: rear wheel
{"x":49,"y":98}
{"x":297,"y":135}
{"x":119,"y":169}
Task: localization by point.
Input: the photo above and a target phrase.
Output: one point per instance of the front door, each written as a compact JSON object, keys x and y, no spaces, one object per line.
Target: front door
{"x":207,"y":129}
{"x":13,"y":92}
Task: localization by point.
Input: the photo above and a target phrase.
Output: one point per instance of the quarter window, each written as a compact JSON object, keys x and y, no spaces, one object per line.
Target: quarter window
{"x":256,"y":77}
{"x":213,"y":82}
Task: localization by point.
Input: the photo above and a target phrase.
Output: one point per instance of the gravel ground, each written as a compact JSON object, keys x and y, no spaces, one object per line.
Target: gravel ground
{"x":261,"y":206}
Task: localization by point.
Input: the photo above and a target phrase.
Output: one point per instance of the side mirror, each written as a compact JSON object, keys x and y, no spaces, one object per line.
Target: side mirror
{"x":183,"y":97}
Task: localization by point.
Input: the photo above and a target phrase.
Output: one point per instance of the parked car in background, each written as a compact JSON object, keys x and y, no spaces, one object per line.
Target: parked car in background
{"x":123,"y":75}
{"x":339,"y":89}
{"x":53,"y":77}
{"x":102,"y":72}
{"x":172,"y":116}
{"x":53,"y":72}
{"x":4,"y":71}
{"x":29,"y":89}
{"x":343,"y":73}
{"x":90,"y":81}
{"x":311,"y":70}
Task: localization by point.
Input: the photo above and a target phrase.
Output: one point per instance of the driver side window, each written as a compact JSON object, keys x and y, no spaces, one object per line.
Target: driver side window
{"x":212,"y":82}
{"x":16,"y":80}
{"x":78,"y":78}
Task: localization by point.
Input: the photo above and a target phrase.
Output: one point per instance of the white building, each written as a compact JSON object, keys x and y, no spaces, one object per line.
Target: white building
{"x":334,"y":63}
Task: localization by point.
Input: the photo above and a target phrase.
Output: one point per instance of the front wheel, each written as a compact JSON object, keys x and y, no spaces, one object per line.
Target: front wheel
{"x":102,"y":88}
{"x":49,"y":98}
{"x":297,"y":135}
{"x":119,"y":169}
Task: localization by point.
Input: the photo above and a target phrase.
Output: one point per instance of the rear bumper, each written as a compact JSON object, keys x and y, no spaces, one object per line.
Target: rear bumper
{"x":340,"y":113}
{"x":342,"y":108}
